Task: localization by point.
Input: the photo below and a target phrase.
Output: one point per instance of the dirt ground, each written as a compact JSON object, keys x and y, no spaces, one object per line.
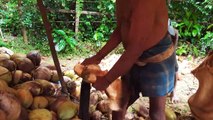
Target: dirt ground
{"x":186,"y":86}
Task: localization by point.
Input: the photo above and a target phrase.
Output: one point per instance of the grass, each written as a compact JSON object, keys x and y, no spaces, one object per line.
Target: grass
{"x":83,"y":49}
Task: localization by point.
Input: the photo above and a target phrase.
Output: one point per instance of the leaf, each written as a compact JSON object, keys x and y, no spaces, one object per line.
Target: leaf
{"x":60,"y":46}
{"x":60,"y":32}
{"x":72,"y":42}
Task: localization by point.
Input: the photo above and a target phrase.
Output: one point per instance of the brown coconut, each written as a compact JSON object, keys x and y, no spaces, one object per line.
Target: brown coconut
{"x":17,"y":55}
{"x":4,"y":56}
{"x":17,"y":75}
{"x":55,"y":77}
{"x":26,"y":77}
{"x":42,"y":73}
{"x":24,"y":64}
{"x":34,"y":87}
{"x":35,"y":57}
{"x":25,"y":97}
{"x":10,"y":105}
{"x":5,"y":74}
{"x":9,"y":64}
{"x":39,"y":102}
{"x":24,"y":114}
{"x":48,"y":87}
{"x":40,"y":114}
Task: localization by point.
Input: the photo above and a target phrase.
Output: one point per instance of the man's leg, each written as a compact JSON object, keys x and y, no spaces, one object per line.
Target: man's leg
{"x":157,"y":108}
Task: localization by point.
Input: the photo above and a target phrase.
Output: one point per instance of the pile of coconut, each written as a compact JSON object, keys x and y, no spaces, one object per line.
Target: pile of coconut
{"x":31,"y":90}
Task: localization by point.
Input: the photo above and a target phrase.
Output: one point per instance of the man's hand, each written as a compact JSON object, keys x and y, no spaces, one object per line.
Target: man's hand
{"x":91,"y":60}
{"x":101,"y":83}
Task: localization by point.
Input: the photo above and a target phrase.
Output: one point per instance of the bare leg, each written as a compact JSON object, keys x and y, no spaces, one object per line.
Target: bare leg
{"x":157,"y":108}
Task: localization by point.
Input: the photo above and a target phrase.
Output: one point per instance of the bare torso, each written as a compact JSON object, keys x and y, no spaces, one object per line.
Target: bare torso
{"x":124,"y":13}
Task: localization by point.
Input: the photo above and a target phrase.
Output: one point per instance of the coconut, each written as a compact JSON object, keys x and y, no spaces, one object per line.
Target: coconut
{"x":67,"y":110}
{"x":170,"y":115}
{"x":25,"y":97}
{"x":42,"y":73}
{"x":9,"y":64}
{"x":24,"y":114}
{"x":96,"y":115}
{"x":48,"y":87}
{"x":39,"y":102}
{"x":10,"y":105}
{"x":104,"y":106}
{"x":5,"y":74}
{"x":34,"y":87}
{"x":17,"y":55}
{"x":24,"y":64}
{"x":40,"y":114}
{"x":17,"y":75}
{"x":26,"y":77}
{"x":4,"y":56}
{"x":35,"y":57}
{"x":6,"y":50}
{"x":55,"y":77}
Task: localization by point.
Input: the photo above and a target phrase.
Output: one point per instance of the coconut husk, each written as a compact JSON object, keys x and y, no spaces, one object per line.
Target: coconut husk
{"x":35,"y":57}
{"x":25,"y":97}
{"x":6,"y":50}
{"x":24,"y":64}
{"x":17,"y":55}
{"x":34,"y":87}
{"x":39,"y":102}
{"x":55,"y":77}
{"x":9,"y":64}
{"x":4,"y":56}
{"x":67,"y":110}
{"x":48,"y":87}
{"x":42,"y":73}
{"x":10,"y":105}
{"x":103,"y":106}
{"x":26,"y":77}
{"x":40,"y":114}
{"x":24,"y":114}
{"x":5,"y":74}
{"x":17,"y":75}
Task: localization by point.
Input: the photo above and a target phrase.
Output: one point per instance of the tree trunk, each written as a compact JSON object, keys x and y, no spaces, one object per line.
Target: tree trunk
{"x":23,"y":29}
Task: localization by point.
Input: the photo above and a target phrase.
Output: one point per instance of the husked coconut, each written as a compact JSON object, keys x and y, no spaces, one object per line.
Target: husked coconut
{"x":10,"y":105}
{"x":5,"y":74}
{"x":17,"y":55}
{"x":35,"y":57}
{"x":17,"y":75}
{"x":24,"y":64}
{"x":39,"y":102}
{"x":4,"y":56}
{"x":6,"y":50}
{"x":55,"y":77}
{"x":34,"y":87}
{"x":42,"y":73}
{"x":25,"y":97}
{"x":48,"y":87}
{"x":40,"y":114}
{"x":67,"y":110}
{"x":9,"y":64}
{"x":26,"y":77}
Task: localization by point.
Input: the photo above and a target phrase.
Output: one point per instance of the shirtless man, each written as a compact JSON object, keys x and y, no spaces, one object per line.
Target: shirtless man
{"x":142,"y":29}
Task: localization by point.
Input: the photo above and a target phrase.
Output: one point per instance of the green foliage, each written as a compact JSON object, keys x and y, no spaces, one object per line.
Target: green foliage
{"x":2,"y":43}
{"x":62,"y":40}
{"x":192,"y":21}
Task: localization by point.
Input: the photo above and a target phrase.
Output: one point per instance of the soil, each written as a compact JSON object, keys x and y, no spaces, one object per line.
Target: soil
{"x":186,"y":86}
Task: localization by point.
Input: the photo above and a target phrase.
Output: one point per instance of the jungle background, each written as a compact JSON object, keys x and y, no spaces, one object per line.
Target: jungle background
{"x":80,"y":28}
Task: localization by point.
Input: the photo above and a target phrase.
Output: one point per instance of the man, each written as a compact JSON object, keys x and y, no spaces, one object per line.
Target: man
{"x":142,"y":29}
